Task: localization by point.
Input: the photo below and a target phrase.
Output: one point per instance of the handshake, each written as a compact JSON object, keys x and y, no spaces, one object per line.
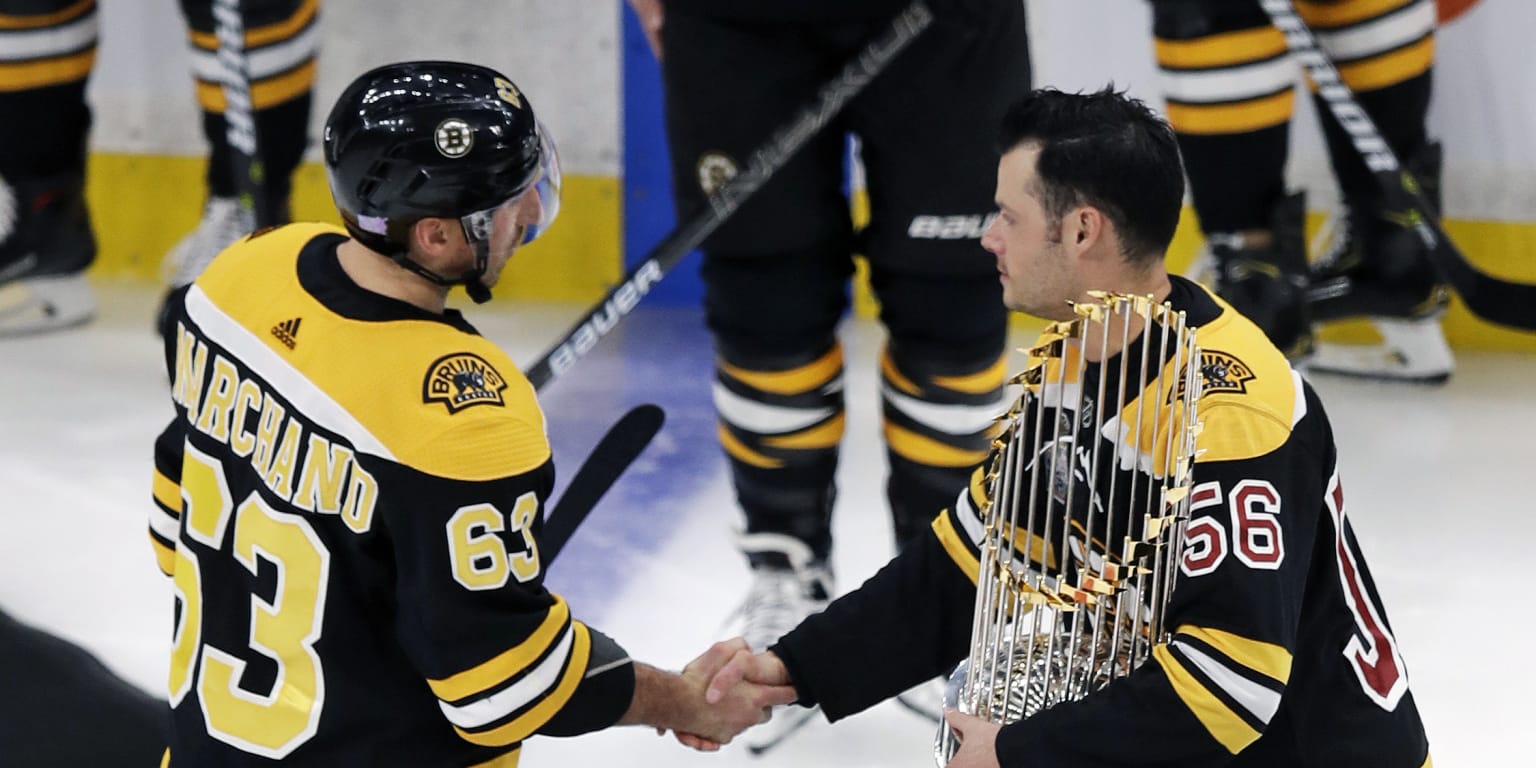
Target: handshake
{"x":723,"y":692}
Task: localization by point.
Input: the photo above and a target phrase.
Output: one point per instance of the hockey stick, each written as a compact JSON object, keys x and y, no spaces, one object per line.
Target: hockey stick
{"x":250,"y":173}
{"x":614,"y":453}
{"x":765,"y":162}
{"x":1507,"y":303}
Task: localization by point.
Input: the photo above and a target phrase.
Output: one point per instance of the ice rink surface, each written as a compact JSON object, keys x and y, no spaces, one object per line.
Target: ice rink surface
{"x":1436,"y":477}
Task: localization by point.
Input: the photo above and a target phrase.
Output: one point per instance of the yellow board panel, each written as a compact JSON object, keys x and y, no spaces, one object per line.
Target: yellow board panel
{"x":143,"y":204}
{"x":1506,"y":250}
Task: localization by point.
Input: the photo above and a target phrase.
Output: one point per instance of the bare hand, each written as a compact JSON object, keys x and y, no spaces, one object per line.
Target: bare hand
{"x":978,"y":740}
{"x":706,"y":721}
{"x":704,"y":668}
{"x":652,"y":16}
{"x":745,"y":666}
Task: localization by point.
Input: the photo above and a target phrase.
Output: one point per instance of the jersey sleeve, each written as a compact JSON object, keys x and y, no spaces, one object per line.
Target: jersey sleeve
{"x":503,"y":655}
{"x":1211,"y":690}
{"x":908,"y":623}
{"x":165,"y":509}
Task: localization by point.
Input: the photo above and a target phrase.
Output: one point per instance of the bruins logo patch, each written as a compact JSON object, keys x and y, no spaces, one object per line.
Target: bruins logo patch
{"x":461,"y":380}
{"x":1224,"y":373}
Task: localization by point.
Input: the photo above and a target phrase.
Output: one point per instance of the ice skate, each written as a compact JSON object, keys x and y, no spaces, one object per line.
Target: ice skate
{"x":46,"y":244}
{"x":1264,"y":277}
{"x":1378,"y":269}
{"x":224,"y":221}
{"x":788,"y":584}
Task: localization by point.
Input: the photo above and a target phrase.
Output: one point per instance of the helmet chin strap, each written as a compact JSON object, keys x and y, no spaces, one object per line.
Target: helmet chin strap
{"x":477,"y":290}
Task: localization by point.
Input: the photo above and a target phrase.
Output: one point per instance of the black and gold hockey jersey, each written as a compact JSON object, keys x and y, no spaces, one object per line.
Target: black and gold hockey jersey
{"x":1280,"y":650}
{"x":348,"y":502}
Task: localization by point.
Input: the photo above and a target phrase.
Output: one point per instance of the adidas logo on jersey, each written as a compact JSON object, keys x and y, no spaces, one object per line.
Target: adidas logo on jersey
{"x":288,"y":331}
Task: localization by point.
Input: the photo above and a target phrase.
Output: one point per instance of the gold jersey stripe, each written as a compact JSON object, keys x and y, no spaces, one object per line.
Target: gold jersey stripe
{"x":41,"y":73}
{"x":824,"y":435}
{"x":1222,"y":723}
{"x":509,"y":760}
{"x":897,"y":379}
{"x":928,"y":451}
{"x":1236,"y":117}
{"x":507,"y":663}
{"x":1222,"y":50}
{"x":978,"y":383}
{"x":1324,"y":16}
{"x":794,"y":381}
{"x":67,"y":14}
{"x":165,"y":557}
{"x":1428,"y":763}
{"x":1390,"y":68}
{"x":1272,"y":661}
{"x":954,"y":544}
{"x":168,"y":493}
{"x":165,"y":759}
{"x":265,"y":94}
{"x":979,"y":495}
{"x":522,"y":727}
{"x":741,"y":452}
{"x":272,"y":33}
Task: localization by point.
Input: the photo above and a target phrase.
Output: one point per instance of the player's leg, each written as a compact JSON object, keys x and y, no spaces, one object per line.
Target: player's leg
{"x":775,"y":279}
{"x":928,"y":132}
{"x":47,"y":49}
{"x":1229,"y":84}
{"x":281,"y":42}
{"x":1377,"y":266}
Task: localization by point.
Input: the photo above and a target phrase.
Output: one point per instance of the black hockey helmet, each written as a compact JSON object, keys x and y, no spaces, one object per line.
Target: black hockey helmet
{"x":426,"y":139}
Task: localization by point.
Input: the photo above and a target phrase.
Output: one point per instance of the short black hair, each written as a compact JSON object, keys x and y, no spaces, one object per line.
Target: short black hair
{"x":1107,"y":150}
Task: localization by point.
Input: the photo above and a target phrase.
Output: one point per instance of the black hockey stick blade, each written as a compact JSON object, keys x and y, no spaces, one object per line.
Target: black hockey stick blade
{"x":765,"y":161}
{"x":614,"y":453}
{"x":1504,"y":302}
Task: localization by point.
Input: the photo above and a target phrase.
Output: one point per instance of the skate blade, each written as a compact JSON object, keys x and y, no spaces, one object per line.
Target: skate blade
{"x":786,"y":722}
{"x":1412,"y":351}
{"x":43,"y":304}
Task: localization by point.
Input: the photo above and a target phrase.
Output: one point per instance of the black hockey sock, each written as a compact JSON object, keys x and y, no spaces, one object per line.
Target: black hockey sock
{"x":1229,"y":89}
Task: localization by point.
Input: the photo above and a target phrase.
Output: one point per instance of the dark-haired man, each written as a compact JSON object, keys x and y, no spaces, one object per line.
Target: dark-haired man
{"x":1280,"y":652}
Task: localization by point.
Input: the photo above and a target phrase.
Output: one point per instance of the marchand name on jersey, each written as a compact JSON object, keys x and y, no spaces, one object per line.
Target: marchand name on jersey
{"x":302,"y":467}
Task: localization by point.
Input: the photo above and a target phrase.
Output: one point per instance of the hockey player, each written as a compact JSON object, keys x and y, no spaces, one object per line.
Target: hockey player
{"x":349,"y":498}
{"x":776,"y":274}
{"x":1229,"y":84}
{"x":47,"y":52}
{"x":1281,"y":654}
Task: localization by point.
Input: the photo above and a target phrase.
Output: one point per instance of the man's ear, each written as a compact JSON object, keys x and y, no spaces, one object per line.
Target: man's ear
{"x":1084,"y":228}
{"x":432,"y":238}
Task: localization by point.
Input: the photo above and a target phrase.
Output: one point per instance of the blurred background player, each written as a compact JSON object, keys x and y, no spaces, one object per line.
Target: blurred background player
{"x":1229,"y":83}
{"x":776,"y":275}
{"x":47,"y":50}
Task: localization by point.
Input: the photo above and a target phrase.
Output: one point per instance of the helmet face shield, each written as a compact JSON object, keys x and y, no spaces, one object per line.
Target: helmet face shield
{"x":545,"y":189}
{"x":547,"y":186}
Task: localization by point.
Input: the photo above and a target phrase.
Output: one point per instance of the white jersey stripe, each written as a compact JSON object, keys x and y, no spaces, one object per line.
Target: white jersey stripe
{"x":53,"y":41}
{"x":949,"y":419}
{"x":1260,"y":702}
{"x":764,"y":419}
{"x":1234,"y":84}
{"x":308,"y":398}
{"x":1384,"y":34}
{"x":538,"y":682}
{"x":265,"y":61}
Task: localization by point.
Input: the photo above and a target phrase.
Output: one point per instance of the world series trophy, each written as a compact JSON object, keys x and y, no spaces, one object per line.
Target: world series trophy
{"x":1087,"y":494}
